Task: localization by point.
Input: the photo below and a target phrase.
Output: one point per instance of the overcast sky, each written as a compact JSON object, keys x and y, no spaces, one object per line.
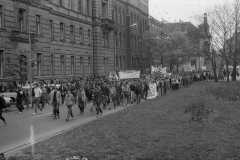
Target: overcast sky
{"x":175,"y":10}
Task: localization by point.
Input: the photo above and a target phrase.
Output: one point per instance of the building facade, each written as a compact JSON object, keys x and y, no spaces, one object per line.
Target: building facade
{"x":71,"y":38}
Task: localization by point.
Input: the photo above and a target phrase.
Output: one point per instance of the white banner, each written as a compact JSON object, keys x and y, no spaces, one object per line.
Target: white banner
{"x":164,"y":70}
{"x":188,"y":69}
{"x":152,"y":92}
{"x":129,"y":74}
{"x":156,"y":69}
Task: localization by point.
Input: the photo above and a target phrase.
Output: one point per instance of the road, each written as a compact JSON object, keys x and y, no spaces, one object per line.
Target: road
{"x":22,"y":129}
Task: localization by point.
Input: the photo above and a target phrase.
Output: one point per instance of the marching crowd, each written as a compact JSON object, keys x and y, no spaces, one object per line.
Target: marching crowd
{"x":101,"y":92}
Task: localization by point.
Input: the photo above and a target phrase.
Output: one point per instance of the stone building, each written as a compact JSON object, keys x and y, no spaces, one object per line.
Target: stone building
{"x":71,"y":37}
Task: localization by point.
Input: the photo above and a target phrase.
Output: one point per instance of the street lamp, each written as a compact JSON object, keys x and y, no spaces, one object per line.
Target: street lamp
{"x":30,"y":47}
{"x":115,"y":47}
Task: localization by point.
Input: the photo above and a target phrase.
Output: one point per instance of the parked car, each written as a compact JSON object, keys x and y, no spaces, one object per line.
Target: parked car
{"x":9,"y":97}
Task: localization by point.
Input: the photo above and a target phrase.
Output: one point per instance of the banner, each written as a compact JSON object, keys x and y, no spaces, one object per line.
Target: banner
{"x":164,"y":70}
{"x":129,"y":74}
{"x":152,"y":92}
{"x":156,"y":69}
{"x":188,"y":69}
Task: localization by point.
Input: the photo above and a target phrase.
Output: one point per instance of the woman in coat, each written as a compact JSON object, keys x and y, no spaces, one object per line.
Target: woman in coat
{"x":69,"y":102}
{"x":81,"y":99}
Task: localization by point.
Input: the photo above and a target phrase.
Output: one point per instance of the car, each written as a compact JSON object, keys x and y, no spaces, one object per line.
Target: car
{"x":9,"y":97}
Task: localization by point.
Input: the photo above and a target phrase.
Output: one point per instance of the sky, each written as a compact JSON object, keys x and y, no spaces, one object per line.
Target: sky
{"x":175,"y":10}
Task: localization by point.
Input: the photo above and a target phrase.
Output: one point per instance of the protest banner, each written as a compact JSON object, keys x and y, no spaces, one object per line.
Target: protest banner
{"x":129,"y":74}
{"x":152,"y":92}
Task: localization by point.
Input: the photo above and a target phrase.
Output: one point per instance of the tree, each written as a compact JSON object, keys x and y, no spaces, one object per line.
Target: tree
{"x":167,"y":45}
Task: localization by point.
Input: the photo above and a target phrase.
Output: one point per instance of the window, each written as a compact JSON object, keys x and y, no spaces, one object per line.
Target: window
{"x":194,"y":63}
{"x":89,"y":37}
{"x":116,"y":39}
{"x":1,"y":63}
{"x":132,"y":62}
{"x":21,"y":20}
{"x":124,"y":61}
{"x":104,"y":9}
{"x":89,"y":65}
{"x":62,"y":59}
{"x":52,"y":64}
{"x":71,"y":5}
{"x":116,"y":60}
{"x":80,"y":6}
{"x":1,"y":16}
{"x":124,"y":16}
{"x":116,"y":14}
{"x":72,"y":65}
{"x":81,"y":35}
{"x":39,"y":61}
{"x":105,"y":63}
{"x":62,"y":31}
{"x":88,"y":7}
{"x":120,"y":60}
{"x":81,"y":65}
{"x":61,"y":3}
{"x":120,"y":39}
{"x":38,"y":24}
{"x":51,"y":29}
{"x":105,"y":39}
{"x":72,"y":35}
{"x":120,"y":16}
{"x":124,"y":41}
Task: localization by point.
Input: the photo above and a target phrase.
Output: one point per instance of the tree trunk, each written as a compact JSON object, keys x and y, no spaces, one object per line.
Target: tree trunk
{"x":227,"y":64}
{"x":234,"y":77}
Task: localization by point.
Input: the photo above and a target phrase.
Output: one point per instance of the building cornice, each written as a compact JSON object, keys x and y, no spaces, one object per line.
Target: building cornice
{"x":130,"y":5}
{"x":70,"y":17}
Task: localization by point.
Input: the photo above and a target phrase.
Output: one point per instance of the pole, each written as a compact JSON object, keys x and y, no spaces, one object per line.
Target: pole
{"x":115,"y":60}
{"x":30,"y":58}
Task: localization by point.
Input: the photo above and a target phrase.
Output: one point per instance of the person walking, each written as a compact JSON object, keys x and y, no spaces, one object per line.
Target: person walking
{"x":69,"y":102}
{"x":81,"y":99}
{"x":2,"y":106}
{"x":105,"y":92}
{"x":36,"y":100}
{"x":98,"y":100}
{"x":113,"y":93}
{"x":19,"y":100}
{"x":55,"y":100}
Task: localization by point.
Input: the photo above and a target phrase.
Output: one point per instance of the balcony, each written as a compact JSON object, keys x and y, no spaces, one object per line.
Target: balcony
{"x":16,"y":35}
{"x":107,"y":24}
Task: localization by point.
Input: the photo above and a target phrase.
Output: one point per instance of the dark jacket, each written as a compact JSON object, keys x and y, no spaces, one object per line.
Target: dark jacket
{"x":98,"y":97}
{"x":2,"y":103}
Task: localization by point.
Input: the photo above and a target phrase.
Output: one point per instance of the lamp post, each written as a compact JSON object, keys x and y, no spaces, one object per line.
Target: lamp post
{"x":115,"y":45}
{"x":30,"y":49}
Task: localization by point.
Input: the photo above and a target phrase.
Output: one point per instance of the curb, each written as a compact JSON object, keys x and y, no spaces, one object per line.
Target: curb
{"x":16,"y":150}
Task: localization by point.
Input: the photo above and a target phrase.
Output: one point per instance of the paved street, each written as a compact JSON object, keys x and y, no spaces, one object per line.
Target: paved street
{"x":17,"y":133}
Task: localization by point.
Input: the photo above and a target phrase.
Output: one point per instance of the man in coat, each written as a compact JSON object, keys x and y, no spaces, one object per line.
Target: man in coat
{"x":98,"y":100}
{"x":55,"y":100}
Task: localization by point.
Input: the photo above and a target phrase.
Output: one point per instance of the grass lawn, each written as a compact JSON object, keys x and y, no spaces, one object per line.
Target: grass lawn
{"x":154,"y":130}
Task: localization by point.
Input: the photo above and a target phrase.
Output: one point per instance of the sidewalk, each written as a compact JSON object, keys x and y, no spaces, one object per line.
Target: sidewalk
{"x":16,"y":138}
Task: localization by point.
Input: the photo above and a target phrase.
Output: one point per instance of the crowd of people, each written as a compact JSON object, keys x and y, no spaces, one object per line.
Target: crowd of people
{"x":100,"y":92}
